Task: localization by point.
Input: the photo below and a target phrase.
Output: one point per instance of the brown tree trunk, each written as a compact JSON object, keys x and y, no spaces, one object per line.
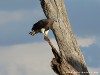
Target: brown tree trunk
{"x":70,"y":60}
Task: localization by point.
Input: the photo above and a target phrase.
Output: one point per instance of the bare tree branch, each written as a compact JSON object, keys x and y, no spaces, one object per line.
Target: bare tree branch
{"x":70,"y":60}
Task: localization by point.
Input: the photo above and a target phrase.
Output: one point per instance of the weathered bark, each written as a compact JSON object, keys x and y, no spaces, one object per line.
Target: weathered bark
{"x":70,"y":60}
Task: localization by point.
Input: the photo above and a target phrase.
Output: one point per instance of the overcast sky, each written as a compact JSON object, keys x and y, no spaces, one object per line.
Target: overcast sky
{"x":22,"y":54}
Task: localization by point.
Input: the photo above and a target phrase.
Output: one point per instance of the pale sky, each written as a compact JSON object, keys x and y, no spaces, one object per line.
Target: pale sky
{"x":22,"y":54}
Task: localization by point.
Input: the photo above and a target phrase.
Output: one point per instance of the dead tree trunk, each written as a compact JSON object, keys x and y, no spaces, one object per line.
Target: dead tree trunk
{"x":70,"y":60}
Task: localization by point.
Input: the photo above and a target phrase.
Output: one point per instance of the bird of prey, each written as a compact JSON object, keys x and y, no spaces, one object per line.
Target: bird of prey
{"x":42,"y":26}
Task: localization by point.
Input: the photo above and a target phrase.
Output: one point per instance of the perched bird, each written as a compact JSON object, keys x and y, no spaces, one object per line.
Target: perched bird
{"x":42,"y":26}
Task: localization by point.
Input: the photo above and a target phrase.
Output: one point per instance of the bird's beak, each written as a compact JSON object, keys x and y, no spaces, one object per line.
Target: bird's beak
{"x":32,"y":33}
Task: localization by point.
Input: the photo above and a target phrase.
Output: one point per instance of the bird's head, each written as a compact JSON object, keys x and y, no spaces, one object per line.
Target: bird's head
{"x":32,"y":33}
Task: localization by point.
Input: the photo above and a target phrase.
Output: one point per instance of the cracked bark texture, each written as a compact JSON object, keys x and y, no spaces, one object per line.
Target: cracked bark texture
{"x":70,"y":60}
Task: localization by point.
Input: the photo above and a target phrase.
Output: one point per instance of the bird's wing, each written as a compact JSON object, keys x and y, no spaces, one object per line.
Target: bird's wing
{"x":40,"y":24}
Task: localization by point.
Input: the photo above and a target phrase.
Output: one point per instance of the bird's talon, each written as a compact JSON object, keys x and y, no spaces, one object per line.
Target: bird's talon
{"x":46,"y":38}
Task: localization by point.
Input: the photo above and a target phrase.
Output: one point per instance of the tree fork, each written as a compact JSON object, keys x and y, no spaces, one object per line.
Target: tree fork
{"x":71,"y":60}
